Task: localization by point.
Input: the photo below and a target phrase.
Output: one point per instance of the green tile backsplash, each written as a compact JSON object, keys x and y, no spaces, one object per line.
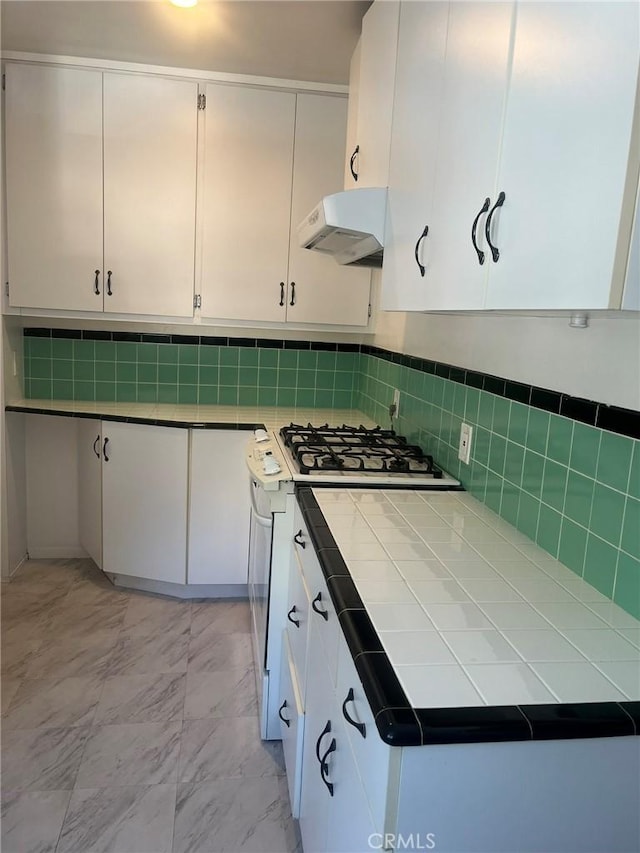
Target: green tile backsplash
{"x":122,"y":371}
{"x":572,"y":488}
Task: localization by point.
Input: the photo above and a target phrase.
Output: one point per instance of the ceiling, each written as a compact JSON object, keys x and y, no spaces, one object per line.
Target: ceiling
{"x":290,"y":39}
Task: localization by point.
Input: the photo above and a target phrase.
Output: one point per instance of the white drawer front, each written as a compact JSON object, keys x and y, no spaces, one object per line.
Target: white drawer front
{"x":291,"y":725}
{"x":298,"y":606}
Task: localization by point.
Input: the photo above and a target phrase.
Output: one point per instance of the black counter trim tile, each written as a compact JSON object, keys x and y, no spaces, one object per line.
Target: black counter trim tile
{"x":632,"y":709}
{"x":473,"y":725}
{"x":132,"y":419}
{"x":359,"y":632}
{"x":343,"y":593}
{"x":398,"y":727}
{"x":578,"y":720}
{"x":611,"y":418}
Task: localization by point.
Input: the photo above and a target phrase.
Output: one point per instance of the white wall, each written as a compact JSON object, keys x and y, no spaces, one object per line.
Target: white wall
{"x":52,"y":487}
{"x":600,"y":363}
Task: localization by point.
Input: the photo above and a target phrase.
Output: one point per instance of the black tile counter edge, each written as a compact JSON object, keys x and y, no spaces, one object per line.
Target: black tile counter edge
{"x":130,"y":419}
{"x":610,"y":418}
{"x":398,"y":723}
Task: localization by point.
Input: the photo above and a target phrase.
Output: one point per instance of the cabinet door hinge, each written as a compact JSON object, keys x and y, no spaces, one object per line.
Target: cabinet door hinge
{"x":202,"y":102}
{"x":197,"y":301}
{"x":369,"y":310}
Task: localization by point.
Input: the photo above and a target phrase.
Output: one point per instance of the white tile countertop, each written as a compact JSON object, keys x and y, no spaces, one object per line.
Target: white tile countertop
{"x":470,"y":612}
{"x":270,"y":416}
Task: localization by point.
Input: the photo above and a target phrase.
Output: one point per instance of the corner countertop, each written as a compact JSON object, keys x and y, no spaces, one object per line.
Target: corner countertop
{"x":203,"y":417}
{"x":484,"y":635}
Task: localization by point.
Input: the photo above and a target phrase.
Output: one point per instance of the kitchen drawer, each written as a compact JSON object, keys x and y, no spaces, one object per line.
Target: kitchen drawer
{"x":375,"y":760}
{"x":297,"y":629}
{"x":322,"y":609}
{"x":291,"y":715}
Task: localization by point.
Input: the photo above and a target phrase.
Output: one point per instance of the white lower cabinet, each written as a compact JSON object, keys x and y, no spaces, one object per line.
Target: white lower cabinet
{"x":90,"y":488}
{"x":219,"y":508}
{"x":291,"y":713}
{"x":144,"y":501}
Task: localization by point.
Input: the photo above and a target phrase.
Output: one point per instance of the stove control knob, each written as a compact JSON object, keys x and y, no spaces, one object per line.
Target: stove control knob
{"x":271,"y":465}
{"x":261,"y":435}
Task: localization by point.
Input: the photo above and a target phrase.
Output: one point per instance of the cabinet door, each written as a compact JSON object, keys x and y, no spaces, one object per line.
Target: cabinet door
{"x":291,"y":724}
{"x":320,"y":290}
{"x":246,"y":203}
{"x":565,"y":154}
{"x":54,"y":187}
{"x":474,"y":90}
{"x":414,"y":143}
{"x":352,"y":115}
{"x":144,"y":500}
{"x":150,"y":138}
{"x":219,"y":508}
{"x":90,"y":488}
{"x":320,"y":709}
{"x":375,"y":98}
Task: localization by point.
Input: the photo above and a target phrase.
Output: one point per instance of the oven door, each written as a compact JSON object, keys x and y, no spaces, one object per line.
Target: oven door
{"x":260,"y":540}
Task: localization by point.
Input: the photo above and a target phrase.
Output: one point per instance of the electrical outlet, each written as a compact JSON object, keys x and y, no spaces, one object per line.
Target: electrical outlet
{"x":464,"y":448}
{"x":396,"y":402}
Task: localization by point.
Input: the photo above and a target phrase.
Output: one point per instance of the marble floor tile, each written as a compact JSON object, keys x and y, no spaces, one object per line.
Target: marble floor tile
{"x":94,"y":590}
{"x":8,"y":690}
{"x":161,"y":652}
{"x":54,"y":703}
{"x":234,"y":816}
{"x":59,"y":571}
{"x":141,"y":698}
{"x":70,"y":622}
{"x":119,"y":820}
{"x":148,"y":614}
{"x":18,"y":646}
{"x":42,"y":759}
{"x":210,"y":652}
{"x":126,"y":754}
{"x":28,"y":602}
{"x":68,"y":658}
{"x":227,"y":747}
{"x":221,"y":617}
{"x":31,"y":820}
{"x":226,"y":693}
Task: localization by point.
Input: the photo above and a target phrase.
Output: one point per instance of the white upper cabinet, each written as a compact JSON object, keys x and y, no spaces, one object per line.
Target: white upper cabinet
{"x":514,"y":148}
{"x":53,"y":136}
{"x":101,"y":176}
{"x":565,"y":156}
{"x":372,"y":81}
{"x":414,"y":146}
{"x":269,"y":159}
{"x":150,"y":148}
{"x":246,"y":202}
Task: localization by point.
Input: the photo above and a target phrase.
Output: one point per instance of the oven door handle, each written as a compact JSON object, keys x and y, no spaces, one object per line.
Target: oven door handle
{"x":263,"y":520}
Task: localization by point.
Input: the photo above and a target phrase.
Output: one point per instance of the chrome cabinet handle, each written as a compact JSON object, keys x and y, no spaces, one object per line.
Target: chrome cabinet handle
{"x":96,"y":288}
{"x":356,"y":151}
{"x":360,"y":726}
{"x":95,"y":450}
{"x":104,"y":450}
{"x":284,"y":719}
{"x":324,"y":767}
{"x":296,"y":622}
{"x":495,"y":252}
{"x":109,"y":274}
{"x":299,"y":540}
{"x":322,"y":613}
{"x":482,"y":210}
{"x":417,"y":249}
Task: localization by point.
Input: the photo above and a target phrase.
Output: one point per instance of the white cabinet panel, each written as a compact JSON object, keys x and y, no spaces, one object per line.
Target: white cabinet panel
{"x":144,"y":500}
{"x":414,"y":145}
{"x":320,"y":290}
{"x":474,"y":91}
{"x":246,"y":203}
{"x":298,"y":612}
{"x":375,"y":97}
{"x":54,"y":186}
{"x":90,"y":488}
{"x":565,"y":154}
{"x":219,"y":508}
{"x":291,"y":715}
{"x":150,"y":137}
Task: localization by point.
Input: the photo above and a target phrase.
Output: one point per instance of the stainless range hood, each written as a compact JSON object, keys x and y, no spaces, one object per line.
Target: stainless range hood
{"x":348,"y":225}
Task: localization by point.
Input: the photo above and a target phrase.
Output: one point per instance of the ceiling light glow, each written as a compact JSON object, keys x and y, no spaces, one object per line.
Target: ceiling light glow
{"x":184,"y":4}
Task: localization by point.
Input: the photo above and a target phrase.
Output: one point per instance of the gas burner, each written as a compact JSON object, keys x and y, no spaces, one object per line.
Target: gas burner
{"x":350,"y":449}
